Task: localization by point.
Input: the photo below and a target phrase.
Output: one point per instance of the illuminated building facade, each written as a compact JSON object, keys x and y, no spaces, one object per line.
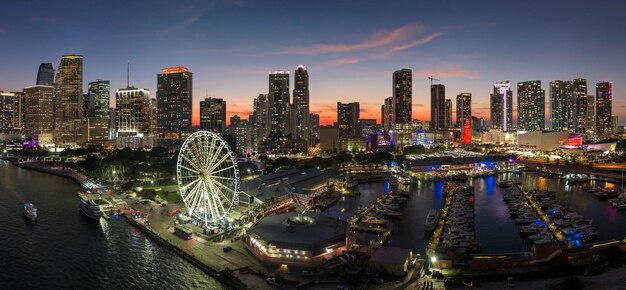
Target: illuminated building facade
{"x":402,"y":96}
{"x":261,"y":121}
{"x":448,"y":118}
{"x":386,"y":112}
{"x":10,"y":109}
{"x":174,"y":101}
{"x":604,"y":109}
{"x":301,"y":123}
{"x":579,"y":94}
{"x":45,"y":75}
{"x":315,"y":126}
{"x":561,"y":105}
{"x":438,"y":107}
{"x":97,"y":103}
{"x":68,"y":101}
{"x":279,"y":115}
{"x":530,"y":106}
{"x":501,"y":106}
{"x":213,"y":115}
{"x":39,"y":114}
{"x":132,"y":110}
{"x":463,"y":108}
{"x":348,"y":119}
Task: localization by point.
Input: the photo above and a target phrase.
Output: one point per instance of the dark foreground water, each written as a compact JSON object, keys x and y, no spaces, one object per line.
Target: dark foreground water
{"x":495,"y":231}
{"x":65,"y":250}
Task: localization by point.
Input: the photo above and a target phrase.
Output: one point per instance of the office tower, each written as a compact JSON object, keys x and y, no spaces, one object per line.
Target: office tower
{"x":132,"y":111}
{"x":174,"y":98}
{"x":9,"y":111}
{"x":438,"y":107}
{"x":579,"y":95}
{"x":614,"y":123}
{"x":590,"y":120}
{"x":463,"y":108}
{"x":448,"y":118}
{"x":402,"y":96}
{"x":561,"y":105}
{"x":301,"y":131}
{"x":242,"y":133}
{"x":234,"y":121}
{"x":315,"y":126}
{"x":279,"y":103}
{"x":68,"y":100}
{"x":501,"y":106}
{"x":96,"y":103}
{"x":387,"y":113}
{"x":45,"y":75}
{"x":261,"y":113}
{"x":39,"y":114}
{"x":530,"y":106}
{"x":153,"y":116}
{"x":604,"y":109}
{"x":348,"y":119}
{"x":213,"y":115}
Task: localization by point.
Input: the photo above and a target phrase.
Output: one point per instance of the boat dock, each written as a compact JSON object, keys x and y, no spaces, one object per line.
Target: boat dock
{"x":434,"y":238}
{"x":533,"y":203}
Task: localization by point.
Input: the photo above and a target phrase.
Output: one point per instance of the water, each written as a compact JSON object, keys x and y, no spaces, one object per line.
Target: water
{"x":495,"y":231}
{"x":65,"y":250}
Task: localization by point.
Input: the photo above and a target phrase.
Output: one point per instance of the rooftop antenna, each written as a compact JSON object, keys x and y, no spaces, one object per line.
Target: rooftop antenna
{"x":432,"y":78}
{"x":128,"y":74}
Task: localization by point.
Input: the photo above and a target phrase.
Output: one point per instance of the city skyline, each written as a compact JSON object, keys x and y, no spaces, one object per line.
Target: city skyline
{"x":342,"y":69}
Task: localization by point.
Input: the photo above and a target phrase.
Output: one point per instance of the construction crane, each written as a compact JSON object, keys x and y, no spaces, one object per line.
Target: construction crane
{"x":431,"y":78}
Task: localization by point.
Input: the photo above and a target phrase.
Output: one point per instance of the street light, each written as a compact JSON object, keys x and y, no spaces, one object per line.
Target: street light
{"x":433,"y":259}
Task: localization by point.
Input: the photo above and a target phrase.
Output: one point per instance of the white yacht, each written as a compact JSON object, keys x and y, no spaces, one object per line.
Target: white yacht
{"x":30,"y":211}
{"x":90,"y":209}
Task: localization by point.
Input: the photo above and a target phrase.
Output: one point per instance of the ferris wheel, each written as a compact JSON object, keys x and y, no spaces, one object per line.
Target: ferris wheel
{"x":208,"y":178}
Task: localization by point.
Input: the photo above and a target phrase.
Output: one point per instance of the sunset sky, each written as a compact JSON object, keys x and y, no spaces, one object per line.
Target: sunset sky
{"x":350,"y":48}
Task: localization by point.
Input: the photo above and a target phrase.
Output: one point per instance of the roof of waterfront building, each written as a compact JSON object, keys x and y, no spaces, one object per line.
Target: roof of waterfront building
{"x":294,"y":180}
{"x":308,"y":231}
{"x":390,"y":256}
{"x":450,"y":160}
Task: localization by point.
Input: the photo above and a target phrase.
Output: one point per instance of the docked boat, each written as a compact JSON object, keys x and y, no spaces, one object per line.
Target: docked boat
{"x":431,"y":220}
{"x":90,"y":209}
{"x":506,"y":183}
{"x":30,"y":211}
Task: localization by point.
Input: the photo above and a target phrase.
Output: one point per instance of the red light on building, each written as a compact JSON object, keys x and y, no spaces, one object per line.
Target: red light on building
{"x":467,"y":132}
{"x":173,"y":70}
{"x":574,"y":140}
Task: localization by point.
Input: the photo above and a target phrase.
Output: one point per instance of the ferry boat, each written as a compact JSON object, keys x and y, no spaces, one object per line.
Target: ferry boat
{"x":30,"y":211}
{"x":90,"y":209}
{"x":431,"y":220}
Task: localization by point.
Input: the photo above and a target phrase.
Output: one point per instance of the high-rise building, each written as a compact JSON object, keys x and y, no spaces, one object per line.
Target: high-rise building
{"x":9,"y":111}
{"x":387,"y":113}
{"x":348,"y":119}
{"x":154,"y":113}
{"x":174,"y":101}
{"x":604,"y":109}
{"x":315,"y":126}
{"x":97,"y":102}
{"x":242,"y":133}
{"x":530,"y":106}
{"x":463,"y":109}
{"x":213,"y":115}
{"x":402,"y":96}
{"x":561,"y":105}
{"x":615,"y":123}
{"x":591,"y":113}
{"x":45,"y":75}
{"x":438,"y":107}
{"x":501,"y":106}
{"x":232,"y":125}
{"x":132,"y":111}
{"x":448,"y":118}
{"x":261,"y":116}
{"x":68,"y":100}
{"x":39,"y":114}
{"x":579,"y":109}
{"x":301,"y":124}
{"x":279,"y":103}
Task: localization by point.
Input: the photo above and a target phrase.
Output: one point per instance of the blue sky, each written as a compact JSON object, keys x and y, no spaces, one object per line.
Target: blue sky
{"x":350,"y":48}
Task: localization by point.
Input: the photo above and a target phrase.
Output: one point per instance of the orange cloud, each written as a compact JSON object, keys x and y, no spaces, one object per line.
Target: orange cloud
{"x":448,"y":73}
{"x":342,"y":61}
{"x":424,"y":40}
{"x":379,"y":39}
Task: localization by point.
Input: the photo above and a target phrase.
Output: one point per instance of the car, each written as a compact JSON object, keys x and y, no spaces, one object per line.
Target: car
{"x":227,"y":249}
{"x":304,"y":285}
{"x":510,"y":281}
{"x":272,"y":281}
{"x":452,"y":282}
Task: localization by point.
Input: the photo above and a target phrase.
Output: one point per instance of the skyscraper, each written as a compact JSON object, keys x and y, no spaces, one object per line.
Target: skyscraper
{"x":561,"y":105}
{"x":174,"y":98}
{"x":97,"y":103}
{"x":530,"y":106}
{"x":463,"y":108}
{"x":9,"y":111}
{"x":604,"y":109}
{"x":213,"y":115}
{"x":68,"y":100}
{"x":501,"y":106}
{"x":448,"y":118}
{"x":45,"y":75}
{"x":301,"y":124}
{"x":402,"y":96}
{"x":387,"y":113}
{"x":132,"y":111}
{"x":579,"y":109}
{"x":279,"y":103}
{"x":438,"y":107}
{"x":590,"y":121}
{"x":39,"y":114}
{"x":315,"y":126}
{"x":261,"y":114}
{"x":348,"y":119}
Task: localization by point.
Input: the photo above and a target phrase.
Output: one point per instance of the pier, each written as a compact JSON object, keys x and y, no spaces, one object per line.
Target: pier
{"x":553,"y":228}
{"x":434,"y":238}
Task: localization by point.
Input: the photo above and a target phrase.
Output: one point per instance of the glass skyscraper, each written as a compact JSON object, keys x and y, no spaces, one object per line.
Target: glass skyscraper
{"x":561,"y":105}
{"x":174,"y":101}
{"x":438,"y":107}
{"x":45,"y":75}
{"x":213,"y":115}
{"x":530,"y":106}
{"x":300,"y":112}
{"x":68,"y":100}
{"x":604,"y":109}
{"x":279,"y":103}
{"x":501,"y":106}
{"x":402,"y":96}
